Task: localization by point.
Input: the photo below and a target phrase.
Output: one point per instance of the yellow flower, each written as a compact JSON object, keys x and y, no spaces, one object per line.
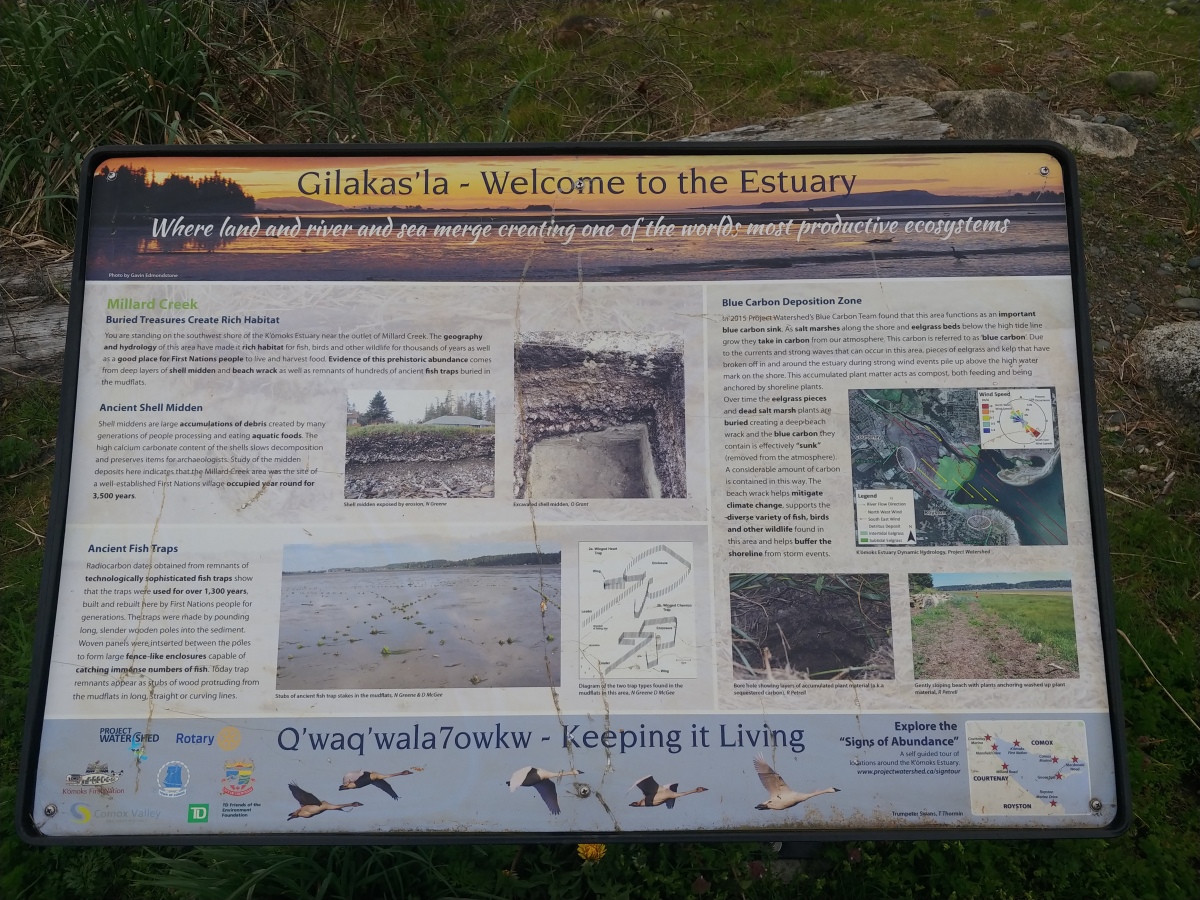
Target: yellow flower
{"x":592,"y":852}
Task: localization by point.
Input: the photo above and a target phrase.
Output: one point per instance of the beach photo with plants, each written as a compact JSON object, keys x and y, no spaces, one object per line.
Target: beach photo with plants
{"x":1006,"y":625}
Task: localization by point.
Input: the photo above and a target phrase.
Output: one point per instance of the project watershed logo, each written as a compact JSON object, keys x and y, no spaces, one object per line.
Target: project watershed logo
{"x":173,"y":779}
{"x":81,"y":813}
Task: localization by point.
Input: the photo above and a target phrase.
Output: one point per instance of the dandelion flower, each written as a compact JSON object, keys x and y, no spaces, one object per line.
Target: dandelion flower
{"x":591,"y":852}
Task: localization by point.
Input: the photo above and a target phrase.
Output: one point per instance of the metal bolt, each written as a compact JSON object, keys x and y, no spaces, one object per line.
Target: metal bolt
{"x":583,"y":790}
{"x":1096,"y":804}
{"x":50,"y":810}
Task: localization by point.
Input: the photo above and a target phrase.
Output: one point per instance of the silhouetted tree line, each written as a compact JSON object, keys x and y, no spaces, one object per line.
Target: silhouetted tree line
{"x":125,"y":190}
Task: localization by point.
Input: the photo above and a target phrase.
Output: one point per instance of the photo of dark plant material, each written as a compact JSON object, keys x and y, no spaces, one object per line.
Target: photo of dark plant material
{"x":406,"y":443}
{"x":600,"y":415}
{"x":790,"y":627}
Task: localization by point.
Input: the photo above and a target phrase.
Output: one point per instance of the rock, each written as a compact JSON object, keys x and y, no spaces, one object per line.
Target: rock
{"x":1182,"y":290}
{"x":889,"y":118}
{"x":1116,"y":418}
{"x":1099,"y":118}
{"x":1142,"y":82}
{"x":889,"y":73}
{"x":1194,"y":262}
{"x":1126,"y":121}
{"x":1080,"y":113}
{"x":1134,"y":311}
{"x":1043,"y":95}
{"x":1101,"y":345}
{"x":990,"y":114}
{"x":1027,"y":26}
{"x":1192,"y":304}
{"x":1170,"y":360}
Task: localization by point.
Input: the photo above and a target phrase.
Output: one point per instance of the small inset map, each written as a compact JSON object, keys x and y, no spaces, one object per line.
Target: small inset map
{"x":1028,"y":768}
{"x":1017,"y":419}
{"x":964,"y":466}
{"x":637,"y":610}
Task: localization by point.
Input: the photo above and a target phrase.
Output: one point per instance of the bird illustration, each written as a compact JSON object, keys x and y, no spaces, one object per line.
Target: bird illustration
{"x":957,"y":254}
{"x":311,"y":806}
{"x":782,"y":796}
{"x":352,"y":780}
{"x":539,"y":780}
{"x":655,"y":794}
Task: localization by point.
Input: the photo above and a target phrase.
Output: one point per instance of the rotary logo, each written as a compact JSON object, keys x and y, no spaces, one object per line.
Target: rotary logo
{"x":239,"y":778}
{"x":228,"y":738}
{"x":173,"y":779}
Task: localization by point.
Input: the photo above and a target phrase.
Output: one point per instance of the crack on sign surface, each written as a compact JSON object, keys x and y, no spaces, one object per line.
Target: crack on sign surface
{"x":262,"y":490}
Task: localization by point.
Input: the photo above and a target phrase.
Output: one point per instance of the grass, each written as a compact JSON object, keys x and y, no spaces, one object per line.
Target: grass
{"x":203,"y":72}
{"x":1046,"y":618}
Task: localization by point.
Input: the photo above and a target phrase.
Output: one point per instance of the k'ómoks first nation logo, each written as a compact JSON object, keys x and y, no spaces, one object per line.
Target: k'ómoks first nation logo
{"x":96,"y":774}
{"x":239,"y":778}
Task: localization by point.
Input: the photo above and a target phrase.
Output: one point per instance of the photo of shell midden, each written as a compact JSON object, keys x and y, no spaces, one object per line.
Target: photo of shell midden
{"x":600,"y":414}
{"x":470,"y":614}
{"x":420,"y":443}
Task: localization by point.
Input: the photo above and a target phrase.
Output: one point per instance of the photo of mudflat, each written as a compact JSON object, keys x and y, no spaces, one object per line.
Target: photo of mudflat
{"x":406,"y":443}
{"x":600,"y":414}
{"x":397,"y":616}
{"x":992,"y":625}
{"x":1004,"y":487}
{"x":809,"y":627}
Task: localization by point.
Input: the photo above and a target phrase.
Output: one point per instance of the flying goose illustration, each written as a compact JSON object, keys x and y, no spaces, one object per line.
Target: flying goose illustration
{"x":352,"y":780}
{"x":311,"y":805}
{"x":655,"y":794}
{"x":782,"y":796}
{"x":540,"y":780}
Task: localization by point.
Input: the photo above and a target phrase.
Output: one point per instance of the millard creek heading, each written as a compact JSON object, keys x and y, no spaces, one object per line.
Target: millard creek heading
{"x":335,"y":182}
{"x":163,"y":303}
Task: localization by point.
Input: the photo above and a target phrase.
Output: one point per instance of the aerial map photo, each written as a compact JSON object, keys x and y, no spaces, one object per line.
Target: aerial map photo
{"x":954,"y":466}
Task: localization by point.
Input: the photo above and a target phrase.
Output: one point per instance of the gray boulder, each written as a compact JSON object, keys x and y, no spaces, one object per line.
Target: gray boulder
{"x":1170,"y":360}
{"x":991,"y":114}
{"x":1132,"y":82}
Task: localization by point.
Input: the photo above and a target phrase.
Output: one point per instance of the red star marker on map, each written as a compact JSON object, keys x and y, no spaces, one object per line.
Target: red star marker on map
{"x":1054,"y":803}
{"x":1016,"y":743}
{"x":987,"y":737}
{"x":1074,"y":759}
{"x":995,"y":747}
{"x":1054,"y":759}
{"x":1004,"y":766}
{"x":1058,"y":775}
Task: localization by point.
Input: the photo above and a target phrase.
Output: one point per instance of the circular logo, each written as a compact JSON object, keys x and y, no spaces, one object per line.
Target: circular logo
{"x":228,"y":738}
{"x":80,"y":812}
{"x":173,"y":779}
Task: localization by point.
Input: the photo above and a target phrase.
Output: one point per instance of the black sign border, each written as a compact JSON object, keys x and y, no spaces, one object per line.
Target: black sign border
{"x":27,"y":814}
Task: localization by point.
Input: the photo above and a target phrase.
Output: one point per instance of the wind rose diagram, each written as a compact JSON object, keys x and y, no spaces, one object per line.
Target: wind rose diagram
{"x":637,"y":610}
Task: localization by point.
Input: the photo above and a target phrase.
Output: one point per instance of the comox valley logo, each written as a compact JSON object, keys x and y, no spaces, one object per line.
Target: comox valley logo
{"x":173,"y":779}
{"x":81,"y":813}
{"x":239,"y":778}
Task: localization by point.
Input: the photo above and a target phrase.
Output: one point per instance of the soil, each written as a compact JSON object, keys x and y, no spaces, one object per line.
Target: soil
{"x":455,"y":478}
{"x":438,"y":462}
{"x":811,"y":626}
{"x":952,"y":647}
{"x":573,"y":383}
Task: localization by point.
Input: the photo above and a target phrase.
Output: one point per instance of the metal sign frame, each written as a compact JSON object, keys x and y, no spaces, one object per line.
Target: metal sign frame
{"x":34,"y":808}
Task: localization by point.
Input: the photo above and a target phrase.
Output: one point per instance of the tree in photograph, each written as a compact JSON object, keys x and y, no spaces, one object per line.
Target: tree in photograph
{"x":377,"y":411}
{"x":919,"y":580}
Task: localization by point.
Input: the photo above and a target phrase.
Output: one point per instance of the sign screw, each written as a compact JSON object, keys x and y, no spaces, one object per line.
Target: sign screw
{"x":50,"y":810}
{"x":1096,"y":804}
{"x":583,"y":791}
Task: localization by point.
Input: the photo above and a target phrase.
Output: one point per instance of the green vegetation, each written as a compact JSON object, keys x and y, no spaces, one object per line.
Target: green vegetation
{"x":1046,"y":618}
{"x":451,"y":431}
{"x":79,"y":75}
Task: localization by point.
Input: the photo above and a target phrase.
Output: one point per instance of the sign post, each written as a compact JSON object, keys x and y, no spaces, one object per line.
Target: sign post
{"x":618,"y":491}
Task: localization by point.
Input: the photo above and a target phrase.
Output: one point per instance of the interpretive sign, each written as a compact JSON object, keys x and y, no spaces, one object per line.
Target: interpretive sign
{"x":737,"y":491}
